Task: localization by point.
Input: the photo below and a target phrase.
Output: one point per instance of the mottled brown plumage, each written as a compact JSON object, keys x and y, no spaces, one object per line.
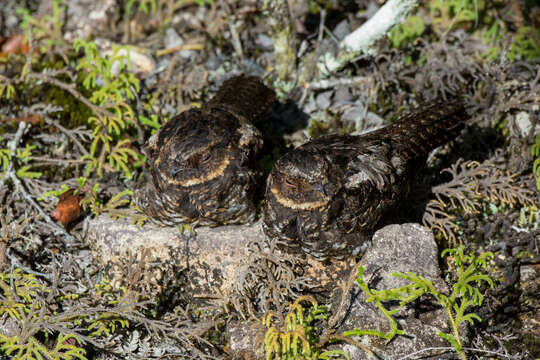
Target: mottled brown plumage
{"x":202,"y":160}
{"x":326,"y":197}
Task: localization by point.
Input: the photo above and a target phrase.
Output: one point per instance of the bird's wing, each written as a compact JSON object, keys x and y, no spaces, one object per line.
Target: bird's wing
{"x":371,"y":167}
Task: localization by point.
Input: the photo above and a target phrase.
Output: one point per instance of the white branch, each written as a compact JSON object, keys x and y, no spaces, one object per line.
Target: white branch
{"x":362,"y":39}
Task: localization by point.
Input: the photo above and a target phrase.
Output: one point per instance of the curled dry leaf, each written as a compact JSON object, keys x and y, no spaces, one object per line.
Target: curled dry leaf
{"x":15,"y":45}
{"x":68,"y":208}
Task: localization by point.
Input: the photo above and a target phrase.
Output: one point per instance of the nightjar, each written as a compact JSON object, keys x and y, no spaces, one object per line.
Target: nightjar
{"x":325,"y":197}
{"x":202,"y":161}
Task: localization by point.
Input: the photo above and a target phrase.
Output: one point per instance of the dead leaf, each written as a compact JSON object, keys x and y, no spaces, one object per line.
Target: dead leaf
{"x":34,"y":119}
{"x":68,"y":208}
{"x":15,"y":45}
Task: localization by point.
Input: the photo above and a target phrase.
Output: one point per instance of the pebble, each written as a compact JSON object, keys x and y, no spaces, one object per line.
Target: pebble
{"x":142,"y":64}
{"x":341,"y":30}
{"x":172,"y":39}
{"x":265,"y":42}
{"x":323,"y":99}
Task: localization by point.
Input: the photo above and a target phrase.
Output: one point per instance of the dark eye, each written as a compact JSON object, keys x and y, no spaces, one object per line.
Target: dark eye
{"x":289,"y":182}
{"x":206,"y":157}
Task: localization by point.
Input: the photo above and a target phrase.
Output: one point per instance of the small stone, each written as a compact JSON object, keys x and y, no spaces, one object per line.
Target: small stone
{"x":242,"y":339}
{"x":213,"y":62}
{"x":9,"y":327}
{"x":364,"y":121}
{"x":172,"y":39}
{"x":529,"y":281}
{"x":310,"y":106}
{"x":142,"y":64}
{"x":372,"y":121}
{"x":323,"y":100}
{"x":265,"y":42}
{"x":353,"y":114}
{"x":342,"y":29}
{"x":186,"y":54}
{"x":343,"y":95}
{"x":522,"y":124}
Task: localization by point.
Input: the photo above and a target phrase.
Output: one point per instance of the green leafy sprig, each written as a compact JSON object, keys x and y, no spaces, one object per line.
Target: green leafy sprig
{"x":465,"y":293}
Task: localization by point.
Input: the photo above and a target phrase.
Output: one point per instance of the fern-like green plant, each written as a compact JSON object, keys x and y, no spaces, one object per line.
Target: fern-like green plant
{"x":97,"y":206}
{"x":153,"y":122}
{"x":465,"y":293}
{"x":46,"y":334}
{"x":47,"y":29}
{"x":19,"y":301}
{"x":140,"y":5}
{"x":25,"y":156}
{"x":5,"y":160}
{"x":6,"y":88}
{"x":109,"y":146}
{"x":103,"y":83}
{"x":295,"y":336}
{"x":34,"y":349}
{"x":21,"y":161}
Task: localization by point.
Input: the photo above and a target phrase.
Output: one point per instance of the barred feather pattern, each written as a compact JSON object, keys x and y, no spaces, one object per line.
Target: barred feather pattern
{"x":326,"y":197}
{"x":203,"y":160}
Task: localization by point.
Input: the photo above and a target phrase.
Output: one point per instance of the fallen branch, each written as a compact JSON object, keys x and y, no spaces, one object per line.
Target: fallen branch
{"x":362,"y":39}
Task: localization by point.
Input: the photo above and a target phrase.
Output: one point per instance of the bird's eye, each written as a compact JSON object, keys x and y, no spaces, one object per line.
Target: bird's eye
{"x":206,"y":157}
{"x":289,"y":182}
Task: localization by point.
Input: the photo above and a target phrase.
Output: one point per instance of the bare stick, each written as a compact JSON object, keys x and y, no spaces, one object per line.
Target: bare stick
{"x":71,"y":89}
{"x":69,"y":134}
{"x":12,"y":146}
{"x":236,"y":42}
{"x":15,"y":262}
{"x":331,"y":83}
{"x":362,"y":39}
{"x":20,"y":187}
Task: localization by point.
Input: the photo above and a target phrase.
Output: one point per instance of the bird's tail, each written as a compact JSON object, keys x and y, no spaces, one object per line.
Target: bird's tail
{"x":244,"y":96}
{"x":431,"y":125}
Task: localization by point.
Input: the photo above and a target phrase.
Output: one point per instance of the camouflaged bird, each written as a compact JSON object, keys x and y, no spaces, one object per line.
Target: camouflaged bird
{"x":326,"y":197}
{"x":202,"y":160}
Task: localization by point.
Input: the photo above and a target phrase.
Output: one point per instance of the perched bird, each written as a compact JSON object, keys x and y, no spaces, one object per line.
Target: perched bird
{"x":325,"y":197}
{"x":202,"y":160}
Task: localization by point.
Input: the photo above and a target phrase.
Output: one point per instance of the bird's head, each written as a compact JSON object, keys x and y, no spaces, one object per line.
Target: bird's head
{"x":199,"y":157}
{"x":302,"y":180}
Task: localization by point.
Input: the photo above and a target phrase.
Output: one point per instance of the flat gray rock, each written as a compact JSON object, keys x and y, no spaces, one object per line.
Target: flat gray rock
{"x":398,"y":248}
{"x":163,"y":253}
{"x":205,"y":263}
